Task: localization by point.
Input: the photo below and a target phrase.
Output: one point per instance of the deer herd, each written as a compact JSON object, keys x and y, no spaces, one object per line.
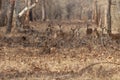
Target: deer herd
{"x":96,"y":32}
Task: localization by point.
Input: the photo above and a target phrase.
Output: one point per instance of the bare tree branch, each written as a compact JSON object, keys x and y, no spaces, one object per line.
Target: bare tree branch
{"x":26,"y":9}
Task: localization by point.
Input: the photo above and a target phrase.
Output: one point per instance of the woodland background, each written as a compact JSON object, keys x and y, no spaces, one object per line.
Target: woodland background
{"x":60,"y":40}
{"x":83,"y":10}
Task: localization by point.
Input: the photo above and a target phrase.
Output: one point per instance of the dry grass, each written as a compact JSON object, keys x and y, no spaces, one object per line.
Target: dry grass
{"x":28,"y":62}
{"x":72,"y":64}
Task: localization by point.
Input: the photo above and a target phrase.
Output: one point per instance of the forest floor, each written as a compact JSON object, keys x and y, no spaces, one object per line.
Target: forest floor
{"x":40,"y":53}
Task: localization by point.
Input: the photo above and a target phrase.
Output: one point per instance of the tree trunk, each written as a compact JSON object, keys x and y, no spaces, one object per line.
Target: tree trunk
{"x":17,"y":10}
{"x":10,"y":18}
{"x":43,"y":10}
{"x":96,"y":13}
{"x":0,"y":4}
{"x":27,"y":18}
{"x":109,"y":17}
{"x":3,"y":12}
{"x":30,"y":11}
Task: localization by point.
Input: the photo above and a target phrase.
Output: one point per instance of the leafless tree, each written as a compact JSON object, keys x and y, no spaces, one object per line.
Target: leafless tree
{"x":9,"y":24}
{"x":4,"y":4}
{"x":43,"y":9}
{"x":109,"y":17}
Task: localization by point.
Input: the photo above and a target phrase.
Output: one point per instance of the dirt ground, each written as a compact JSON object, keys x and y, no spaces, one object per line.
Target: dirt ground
{"x":48,"y":51}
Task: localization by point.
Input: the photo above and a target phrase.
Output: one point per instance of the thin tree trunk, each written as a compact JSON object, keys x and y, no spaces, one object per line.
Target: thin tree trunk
{"x":17,"y":10}
{"x":109,"y":17}
{"x":29,"y":12}
{"x":10,"y":18}
{"x":3,"y":14}
{"x":27,"y":18}
{"x":43,"y":10}
{"x":96,"y":12}
{"x":0,"y":4}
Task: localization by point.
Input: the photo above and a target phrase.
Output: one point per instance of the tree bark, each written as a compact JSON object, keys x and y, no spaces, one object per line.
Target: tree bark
{"x":0,"y":4}
{"x":96,"y":12}
{"x":10,"y":18}
{"x":3,"y":12}
{"x":26,"y":9}
{"x":27,"y":17}
{"x":17,"y":10}
{"x":43,"y":10}
{"x":109,"y":17}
